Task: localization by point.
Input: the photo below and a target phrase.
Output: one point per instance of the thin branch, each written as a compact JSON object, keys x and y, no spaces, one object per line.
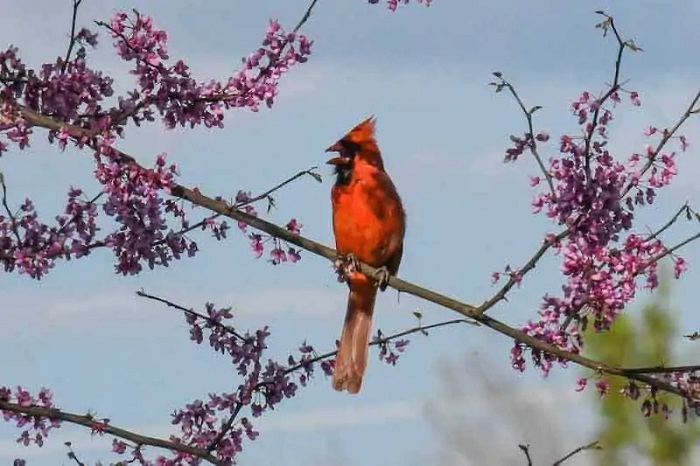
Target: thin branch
{"x":517,"y":275}
{"x":7,"y":209}
{"x":667,"y":252}
{"x":381,"y":341}
{"x":526,"y":451}
{"x":667,"y":135}
{"x":306,"y":16}
{"x":72,"y":456}
{"x":306,"y":362}
{"x":267,"y":194}
{"x":532,"y":143}
{"x":684,"y":208}
{"x":101,"y":426}
{"x":591,"y":446}
{"x":226,"y":427}
{"x":73,"y":39}
{"x":614,"y":87}
{"x":208,"y":319}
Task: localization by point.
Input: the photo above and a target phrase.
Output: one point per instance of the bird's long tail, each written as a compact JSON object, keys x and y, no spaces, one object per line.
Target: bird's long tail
{"x":351,"y":362}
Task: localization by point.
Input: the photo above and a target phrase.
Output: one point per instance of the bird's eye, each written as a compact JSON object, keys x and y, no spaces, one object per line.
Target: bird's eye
{"x":349,"y":148}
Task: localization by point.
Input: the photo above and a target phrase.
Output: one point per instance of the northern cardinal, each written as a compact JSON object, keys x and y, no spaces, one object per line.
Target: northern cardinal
{"x":369,"y":223}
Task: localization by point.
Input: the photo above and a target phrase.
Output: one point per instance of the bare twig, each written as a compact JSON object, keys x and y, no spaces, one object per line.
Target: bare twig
{"x":684,"y":208}
{"x":266,"y":195}
{"x":13,"y":220}
{"x":72,"y":456}
{"x":518,"y":274}
{"x":591,"y":446}
{"x":208,"y":319}
{"x":532,"y":142}
{"x":73,"y":39}
{"x":526,"y":451}
{"x":614,"y":87}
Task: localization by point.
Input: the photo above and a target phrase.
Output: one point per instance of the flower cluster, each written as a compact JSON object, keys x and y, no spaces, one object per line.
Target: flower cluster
{"x":35,"y":429}
{"x":219,"y":423}
{"x":280,"y":251}
{"x":31,"y":246}
{"x":389,"y":350}
{"x":171,"y":91}
{"x":595,"y":199}
{"x":73,"y":94}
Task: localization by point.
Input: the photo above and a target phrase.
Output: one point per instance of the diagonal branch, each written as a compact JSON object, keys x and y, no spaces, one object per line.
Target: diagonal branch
{"x":517,"y":275}
{"x":591,"y":446}
{"x":691,"y":110}
{"x":102,"y":426}
{"x":467,"y":310}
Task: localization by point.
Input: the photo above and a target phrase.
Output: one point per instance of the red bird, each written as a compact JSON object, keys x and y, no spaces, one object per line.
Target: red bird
{"x":369,"y":223}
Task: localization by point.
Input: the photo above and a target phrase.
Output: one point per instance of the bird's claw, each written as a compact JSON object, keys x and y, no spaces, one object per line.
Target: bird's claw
{"x":382,"y":276}
{"x":345,"y":265}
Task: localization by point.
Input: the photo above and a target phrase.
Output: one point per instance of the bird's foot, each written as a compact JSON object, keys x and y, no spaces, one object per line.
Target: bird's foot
{"x":345,"y":265}
{"x":382,"y":276}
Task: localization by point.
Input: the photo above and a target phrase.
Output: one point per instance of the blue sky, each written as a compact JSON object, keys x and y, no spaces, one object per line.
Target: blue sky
{"x":423,"y":72}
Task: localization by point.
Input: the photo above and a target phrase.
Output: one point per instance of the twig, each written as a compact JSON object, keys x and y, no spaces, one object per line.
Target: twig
{"x":267,"y":194}
{"x":667,"y":135}
{"x":381,"y":341}
{"x":208,"y":319}
{"x":517,"y":275}
{"x":7,"y":209}
{"x":526,"y":451}
{"x":532,"y":142}
{"x":76,"y":5}
{"x":72,"y":455}
{"x":684,"y":208}
{"x":97,"y":425}
{"x":591,"y":446}
{"x":614,"y":87}
{"x":667,"y":252}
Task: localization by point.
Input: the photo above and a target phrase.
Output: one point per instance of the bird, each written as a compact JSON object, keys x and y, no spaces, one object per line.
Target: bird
{"x":369,"y":224}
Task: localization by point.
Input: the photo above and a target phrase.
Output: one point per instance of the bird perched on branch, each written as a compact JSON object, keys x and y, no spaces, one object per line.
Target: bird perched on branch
{"x":369,"y":223}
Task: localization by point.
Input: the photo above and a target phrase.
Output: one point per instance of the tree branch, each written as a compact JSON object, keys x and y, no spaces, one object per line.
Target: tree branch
{"x":532,"y":142}
{"x":467,"y":310}
{"x":103,"y":426}
{"x":76,"y":6}
{"x":667,"y":135}
{"x":591,"y":446}
{"x":517,"y":275}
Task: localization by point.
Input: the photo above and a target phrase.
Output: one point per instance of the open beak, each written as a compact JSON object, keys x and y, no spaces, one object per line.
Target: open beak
{"x":338,"y":160}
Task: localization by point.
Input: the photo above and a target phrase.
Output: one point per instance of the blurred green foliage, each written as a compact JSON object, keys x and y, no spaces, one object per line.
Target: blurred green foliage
{"x":624,"y":432}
